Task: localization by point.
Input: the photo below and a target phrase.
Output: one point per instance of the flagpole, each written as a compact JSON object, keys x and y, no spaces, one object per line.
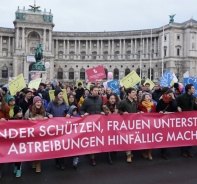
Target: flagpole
{"x":151,"y":55}
{"x":141,"y":57}
{"x":162,"y":51}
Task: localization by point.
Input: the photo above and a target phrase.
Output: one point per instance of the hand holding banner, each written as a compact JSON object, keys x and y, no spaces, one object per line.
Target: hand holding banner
{"x":17,"y":84}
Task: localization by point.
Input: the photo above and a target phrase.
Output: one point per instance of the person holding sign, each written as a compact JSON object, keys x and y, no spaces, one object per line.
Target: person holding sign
{"x":58,"y":108}
{"x":129,"y":105}
{"x":92,"y":105}
{"x":147,"y":106}
{"x":36,"y":111}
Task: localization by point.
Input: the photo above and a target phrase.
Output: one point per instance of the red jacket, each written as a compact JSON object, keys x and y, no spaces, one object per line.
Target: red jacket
{"x":143,"y":108}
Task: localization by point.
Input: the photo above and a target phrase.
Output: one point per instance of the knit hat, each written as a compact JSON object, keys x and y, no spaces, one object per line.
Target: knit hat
{"x":164,"y":90}
{"x":17,"y":109}
{"x":36,"y":99}
{"x":10,"y":97}
{"x":57,"y":91}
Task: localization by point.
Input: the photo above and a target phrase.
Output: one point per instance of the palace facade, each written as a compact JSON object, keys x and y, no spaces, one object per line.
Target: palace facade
{"x":120,"y":52}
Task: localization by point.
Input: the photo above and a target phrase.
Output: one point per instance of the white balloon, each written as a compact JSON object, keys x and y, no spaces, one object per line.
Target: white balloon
{"x":47,"y":65}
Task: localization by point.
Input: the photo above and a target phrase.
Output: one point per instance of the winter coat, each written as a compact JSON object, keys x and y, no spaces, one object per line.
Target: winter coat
{"x":156,"y":95}
{"x":144,"y":109}
{"x":7,"y":110}
{"x":91,"y":105}
{"x":29,"y":114}
{"x":185,"y":103}
{"x":79,"y":93}
{"x":70,"y":111}
{"x":162,"y":106}
{"x":57,"y":110}
{"x":25,"y":105}
{"x":127,"y":106}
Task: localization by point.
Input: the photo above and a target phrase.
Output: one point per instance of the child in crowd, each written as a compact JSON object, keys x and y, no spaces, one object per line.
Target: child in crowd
{"x":73,"y":112}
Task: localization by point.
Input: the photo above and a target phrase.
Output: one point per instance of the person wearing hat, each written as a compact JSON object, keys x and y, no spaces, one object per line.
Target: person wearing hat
{"x":11,"y":104}
{"x":17,"y":114}
{"x":36,"y":111}
{"x":166,"y":104}
{"x":58,"y":108}
{"x":147,"y":106}
{"x":44,"y":92}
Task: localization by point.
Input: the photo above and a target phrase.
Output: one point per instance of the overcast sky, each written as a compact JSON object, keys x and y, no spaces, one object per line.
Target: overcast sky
{"x":104,"y":15}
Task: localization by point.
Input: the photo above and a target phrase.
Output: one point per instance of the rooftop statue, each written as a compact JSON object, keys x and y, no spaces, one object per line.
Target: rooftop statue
{"x":34,"y":6}
{"x":38,"y":66}
{"x":172,"y":18}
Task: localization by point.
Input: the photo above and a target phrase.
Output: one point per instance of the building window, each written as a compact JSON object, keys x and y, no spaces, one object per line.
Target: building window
{"x":165,"y":51}
{"x":105,"y":55}
{"x":127,"y":71}
{"x":4,"y":41}
{"x":72,"y":55}
{"x":178,"y":52}
{"x":106,"y":73}
{"x":116,"y":74}
{"x":4,"y":52}
{"x":165,"y":38}
{"x":138,"y":71}
{"x":128,"y":54}
{"x":152,"y":74}
{"x":116,"y":55}
{"x":117,"y":45}
{"x":71,"y":74}
{"x":83,"y":54}
{"x":178,"y":37}
{"x":82,"y":74}
{"x":60,"y":73}
{"x":4,"y":72}
{"x":60,"y":55}
{"x":94,"y":54}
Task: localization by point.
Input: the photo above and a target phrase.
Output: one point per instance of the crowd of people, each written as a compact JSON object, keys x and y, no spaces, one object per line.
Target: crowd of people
{"x":35,"y":104}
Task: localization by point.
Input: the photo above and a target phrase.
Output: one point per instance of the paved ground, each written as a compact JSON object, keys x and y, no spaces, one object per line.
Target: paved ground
{"x":176,"y":170}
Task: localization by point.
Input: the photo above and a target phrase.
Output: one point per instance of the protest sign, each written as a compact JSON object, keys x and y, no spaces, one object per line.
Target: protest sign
{"x":17,"y":84}
{"x":95,"y":73}
{"x":130,"y":80}
{"x":114,"y":86}
{"x":34,"y":83}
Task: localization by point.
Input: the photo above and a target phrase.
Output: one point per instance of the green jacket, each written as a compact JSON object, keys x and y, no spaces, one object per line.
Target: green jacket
{"x":127,"y":106}
{"x":186,"y":102}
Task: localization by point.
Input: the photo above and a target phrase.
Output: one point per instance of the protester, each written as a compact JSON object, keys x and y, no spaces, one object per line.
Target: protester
{"x":157,"y":93}
{"x":11,"y":104}
{"x":34,"y":112}
{"x":122,"y":92}
{"x":44,"y":92}
{"x":58,"y":108}
{"x":4,"y":92}
{"x":92,"y":105}
{"x":129,"y":105}
{"x":17,"y":115}
{"x":72,"y":100}
{"x":186,"y":102}
{"x":147,"y":106}
{"x":85,"y":95}
{"x":147,"y":88}
{"x":79,"y":92}
{"x":166,"y":104}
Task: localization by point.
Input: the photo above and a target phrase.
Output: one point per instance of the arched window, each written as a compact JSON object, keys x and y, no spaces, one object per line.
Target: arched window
{"x":71,"y":74}
{"x":106,"y":73}
{"x":116,"y":73}
{"x":138,"y":71}
{"x":5,"y":72}
{"x":72,"y":55}
{"x":105,"y":54}
{"x":82,"y":74}
{"x":165,"y":51}
{"x":60,"y":55}
{"x":178,"y":52}
{"x":60,"y":73}
{"x":83,"y":54}
{"x":152,"y":74}
{"x":127,"y":71}
{"x":94,"y":54}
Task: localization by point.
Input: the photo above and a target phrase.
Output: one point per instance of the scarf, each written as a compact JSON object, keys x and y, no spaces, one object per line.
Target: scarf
{"x":60,"y":102}
{"x":148,"y":105}
{"x":166,"y":99}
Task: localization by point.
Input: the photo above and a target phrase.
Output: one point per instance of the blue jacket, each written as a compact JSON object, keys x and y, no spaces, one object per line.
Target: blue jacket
{"x":57,"y":110}
{"x":70,"y":111}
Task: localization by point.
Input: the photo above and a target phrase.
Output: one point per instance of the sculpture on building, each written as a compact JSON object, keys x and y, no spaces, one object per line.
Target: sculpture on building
{"x":23,"y":16}
{"x":50,"y":18}
{"x":172,"y":18}
{"x":17,"y":15}
{"x":38,"y":66}
{"x":44,"y":18}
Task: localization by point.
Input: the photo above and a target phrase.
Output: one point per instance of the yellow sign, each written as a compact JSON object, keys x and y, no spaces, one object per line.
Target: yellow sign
{"x":34,"y":83}
{"x":150,"y":82}
{"x":51,"y":95}
{"x":130,"y":80}
{"x":17,"y":84}
{"x":88,"y":85}
{"x":78,"y":82}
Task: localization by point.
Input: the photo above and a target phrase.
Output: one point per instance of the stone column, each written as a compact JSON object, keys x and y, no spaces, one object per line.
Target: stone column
{"x":79,"y":49}
{"x":97,"y":57}
{"x":109,"y":50}
{"x":113,"y":49}
{"x":131,"y":57}
{"x":155,"y":47}
{"x":15,"y":67}
{"x":9,"y":50}
{"x":90,"y":49}
{"x":120,"y":47}
{"x":44,"y":39}
{"x":124,"y":49}
{"x":135,"y":48}
{"x":68,"y":49}
{"x":64,"y":48}
{"x":13,"y":45}
{"x":23,"y":38}
{"x":147,"y":51}
{"x":75,"y":56}
{"x":51,"y":70}
{"x":143,"y":53}
{"x":101,"y":49}
{"x":86,"y":49}
{"x":0,"y":45}
{"x":50,"y":38}
{"x":56,"y":53}
{"x":17,"y":37}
